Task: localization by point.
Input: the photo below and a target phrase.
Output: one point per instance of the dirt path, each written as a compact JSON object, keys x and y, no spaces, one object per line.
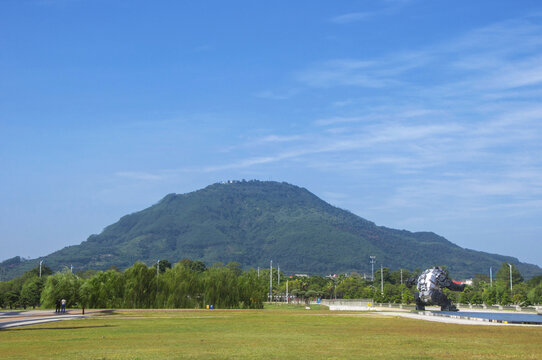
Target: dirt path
{"x":10,"y":319}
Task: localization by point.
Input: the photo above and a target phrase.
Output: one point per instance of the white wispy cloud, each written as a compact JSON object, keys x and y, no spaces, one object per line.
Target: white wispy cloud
{"x":277,"y":95}
{"x":279,"y":138}
{"x":345,"y":72}
{"x":340,"y":120}
{"x":388,"y":7}
{"x":351,"y":17}
{"x":460,"y":141}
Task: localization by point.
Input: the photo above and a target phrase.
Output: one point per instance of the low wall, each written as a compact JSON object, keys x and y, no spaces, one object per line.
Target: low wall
{"x":501,"y":307}
{"x":369,"y":304}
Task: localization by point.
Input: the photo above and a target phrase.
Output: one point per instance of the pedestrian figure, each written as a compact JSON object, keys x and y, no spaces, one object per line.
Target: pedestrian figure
{"x":63,"y":304}
{"x":57,"y":306}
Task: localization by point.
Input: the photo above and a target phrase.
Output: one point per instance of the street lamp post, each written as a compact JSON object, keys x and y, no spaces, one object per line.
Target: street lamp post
{"x":157,"y":271}
{"x":491,"y":276}
{"x":510,"y":265}
{"x":287,"y":295}
{"x":271,"y":281}
{"x":373,"y":268}
{"x":381,"y":280}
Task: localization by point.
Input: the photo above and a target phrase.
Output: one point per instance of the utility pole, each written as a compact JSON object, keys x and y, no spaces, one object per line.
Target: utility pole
{"x":271,"y":281}
{"x":373,"y":268}
{"x":40,"y":266}
{"x":510,"y":277}
{"x":157,"y":271}
{"x":491,"y":276}
{"x":287,"y":297}
{"x":381,"y":280}
{"x":278,"y":274}
{"x":402,"y":295}
{"x":258,"y":272}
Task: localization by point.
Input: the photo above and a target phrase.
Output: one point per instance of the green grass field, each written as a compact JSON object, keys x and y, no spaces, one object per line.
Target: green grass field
{"x":276,"y":332}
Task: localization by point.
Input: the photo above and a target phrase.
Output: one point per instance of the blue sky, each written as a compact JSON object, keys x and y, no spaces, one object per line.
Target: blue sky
{"x":417,"y":115}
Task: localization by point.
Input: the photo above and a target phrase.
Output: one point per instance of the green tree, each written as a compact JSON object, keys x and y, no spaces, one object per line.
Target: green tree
{"x":11,"y":299}
{"x":197,"y":266}
{"x":185,"y":286}
{"x":395,"y":276}
{"x":489,"y":295}
{"x":140,"y":286}
{"x":535,"y":294}
{"x":407,"y":295}
{"x":503,"y":275}
{"x":221,"y":287}
{"x":62,"y":285}
{"x":479,"y":281}
{"x":31,"y":292}
{"x":163,"y":265}
{"x":351,"y":287}
{"x":252,"y":290}
{"x":103,"y":290}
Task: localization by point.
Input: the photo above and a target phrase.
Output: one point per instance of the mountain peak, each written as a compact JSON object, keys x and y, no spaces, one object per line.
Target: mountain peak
{"x":253,"y":221}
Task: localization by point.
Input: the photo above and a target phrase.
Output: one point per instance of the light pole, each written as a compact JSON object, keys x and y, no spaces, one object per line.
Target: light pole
{"x":373,"y":268}
{"x":40,"y":266}
{"x":491,"y":276}
{"x":510,"y":277}
{"x":287,"y":295}
{"x":335,"y":283}
{"x":381,"y":280}
{"x":271,"y":281}
{"x":157,"y":271}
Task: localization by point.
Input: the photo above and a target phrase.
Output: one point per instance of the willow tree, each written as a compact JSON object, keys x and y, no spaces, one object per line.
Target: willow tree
{"x":62,"y":285}
{"x":140,"y":286}
{"x":103,"y":290}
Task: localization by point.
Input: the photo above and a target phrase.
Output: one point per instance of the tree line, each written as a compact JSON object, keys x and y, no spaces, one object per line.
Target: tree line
{"x":191,"y":284}
{"x":187,"y":284}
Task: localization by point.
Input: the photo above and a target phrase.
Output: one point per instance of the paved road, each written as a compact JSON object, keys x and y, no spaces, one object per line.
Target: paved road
{"x":9,"y":319}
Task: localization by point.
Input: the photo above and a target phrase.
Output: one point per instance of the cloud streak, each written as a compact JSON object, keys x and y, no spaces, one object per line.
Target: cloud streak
{"x":351,"y":17}
{"x":462,"y":140}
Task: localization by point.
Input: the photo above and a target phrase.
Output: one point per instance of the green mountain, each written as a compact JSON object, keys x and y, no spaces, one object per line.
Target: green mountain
{"x":251,"y":222}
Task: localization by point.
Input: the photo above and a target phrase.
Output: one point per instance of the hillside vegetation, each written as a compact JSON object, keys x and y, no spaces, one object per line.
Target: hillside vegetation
{"x":251,"y":222}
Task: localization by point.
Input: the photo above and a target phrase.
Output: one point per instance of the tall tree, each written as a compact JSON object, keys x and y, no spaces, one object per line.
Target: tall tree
{"x":140,"y":286}
{"x":503,"y":275}
{"x":31,"y":292}
{"x":62,"y":285}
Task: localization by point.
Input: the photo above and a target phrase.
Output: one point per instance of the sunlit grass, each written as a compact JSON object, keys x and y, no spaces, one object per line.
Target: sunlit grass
{"x":275,"y":332}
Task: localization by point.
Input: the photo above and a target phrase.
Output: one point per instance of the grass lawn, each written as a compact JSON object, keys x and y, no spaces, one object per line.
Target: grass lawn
{"x":276,"y":332}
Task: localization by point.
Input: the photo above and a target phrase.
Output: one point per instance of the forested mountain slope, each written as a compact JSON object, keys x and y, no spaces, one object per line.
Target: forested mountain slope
{"x":251,"y":222}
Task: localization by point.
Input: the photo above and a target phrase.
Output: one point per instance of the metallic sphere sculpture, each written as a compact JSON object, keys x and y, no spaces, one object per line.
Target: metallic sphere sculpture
{"x":429,"y":285}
